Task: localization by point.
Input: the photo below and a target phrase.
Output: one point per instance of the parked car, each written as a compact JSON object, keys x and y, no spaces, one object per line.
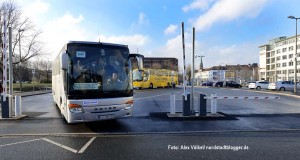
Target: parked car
{"x":219,"y":84}
{"x":282,"y":86}
{"x":232,"y":84}
{"x":207,"y":84}
{"x":258,"y":85}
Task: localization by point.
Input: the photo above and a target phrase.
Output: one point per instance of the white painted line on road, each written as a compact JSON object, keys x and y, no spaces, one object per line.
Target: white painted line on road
{"x":60,"y":145}
{"x":86,"y":145}
{"x":19,"y":142}
{"x":154,"y":96}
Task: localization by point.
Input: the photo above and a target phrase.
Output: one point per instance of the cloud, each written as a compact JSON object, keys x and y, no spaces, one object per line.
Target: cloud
{"x":198,"y":4}
{"x":173,"y":48}
{"x":226,"y":10}
{"x":59,"y":31}
{"x":142,"y":19}
{"x":233,"y":54}
{"x":134,"y":42}
{"x":171,"y":29}
{"x":214,"y":55}
{"x":35,"y":9}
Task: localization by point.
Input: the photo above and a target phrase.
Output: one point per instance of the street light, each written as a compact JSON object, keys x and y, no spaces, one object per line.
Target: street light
{"x":20,"y":74}
{"x":295,"y":63}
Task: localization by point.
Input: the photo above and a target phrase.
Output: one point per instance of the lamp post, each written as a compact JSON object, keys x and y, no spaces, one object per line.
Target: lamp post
{"x":20,"y":74}
{"x":295,"y":63}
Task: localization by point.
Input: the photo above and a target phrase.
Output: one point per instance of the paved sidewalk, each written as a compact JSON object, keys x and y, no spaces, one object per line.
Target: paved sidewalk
{"x":25,"y":94}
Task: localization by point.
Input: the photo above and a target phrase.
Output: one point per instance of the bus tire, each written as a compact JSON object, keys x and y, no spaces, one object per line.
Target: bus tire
{"x":151,"y":86}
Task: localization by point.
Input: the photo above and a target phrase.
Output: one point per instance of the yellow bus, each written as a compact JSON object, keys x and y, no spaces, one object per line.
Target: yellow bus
{"x":154,"y":78}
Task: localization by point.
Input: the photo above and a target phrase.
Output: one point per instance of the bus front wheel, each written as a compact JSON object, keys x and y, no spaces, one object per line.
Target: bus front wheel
{"x":151,"y":86}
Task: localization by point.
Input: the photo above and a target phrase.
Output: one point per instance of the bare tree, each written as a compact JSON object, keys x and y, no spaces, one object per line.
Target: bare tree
{"x":22,"y":30}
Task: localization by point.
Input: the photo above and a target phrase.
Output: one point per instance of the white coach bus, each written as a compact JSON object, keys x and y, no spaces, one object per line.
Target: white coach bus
{"x":92,"y":81}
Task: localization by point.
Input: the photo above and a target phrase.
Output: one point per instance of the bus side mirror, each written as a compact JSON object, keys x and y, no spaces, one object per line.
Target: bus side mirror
{"x":64,"y":61}
{"x":139,"y":59}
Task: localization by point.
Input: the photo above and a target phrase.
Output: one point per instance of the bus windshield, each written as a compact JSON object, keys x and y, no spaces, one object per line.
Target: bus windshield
{"x":97,"y":71}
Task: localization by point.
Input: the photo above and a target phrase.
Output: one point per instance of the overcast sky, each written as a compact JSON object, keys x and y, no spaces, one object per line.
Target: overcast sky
{"x":227,"y":31}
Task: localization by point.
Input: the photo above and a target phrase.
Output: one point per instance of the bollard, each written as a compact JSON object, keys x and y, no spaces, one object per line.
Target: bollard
{"x":186,"y":111}
{"x":5,"y":107}
{"x":10,"y":104}
{"x":202,"y":105}
{"x":172,"y":104}
{"x":213,"y":103}
{"x":18,"y":111}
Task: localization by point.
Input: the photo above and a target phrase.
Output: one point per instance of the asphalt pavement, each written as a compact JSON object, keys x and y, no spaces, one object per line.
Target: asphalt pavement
{"x":151,"y":134}
{"x":153,"y":118}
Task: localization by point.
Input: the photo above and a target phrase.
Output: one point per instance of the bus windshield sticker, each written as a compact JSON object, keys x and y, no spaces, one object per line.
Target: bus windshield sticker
{"x":102,"y":52}
{"x":85,"y":86}
{"x":90,"y":102}
{"x":80,"y":54}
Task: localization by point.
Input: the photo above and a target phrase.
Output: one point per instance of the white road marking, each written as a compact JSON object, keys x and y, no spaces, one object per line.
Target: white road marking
{"x":60,"y":145}
{"x":86,"y":145}
{"x":19,"y":142}
{"x":155,"y":96}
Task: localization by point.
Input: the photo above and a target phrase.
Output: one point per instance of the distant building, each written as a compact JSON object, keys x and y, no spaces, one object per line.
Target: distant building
{"x":159,"y":63}
{"x":277,"y":59}
{"x":238,"y":73}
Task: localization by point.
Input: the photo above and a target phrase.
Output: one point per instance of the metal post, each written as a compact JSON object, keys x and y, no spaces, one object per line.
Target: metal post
{"x":202,"y":105}
{"x":172,"y":104}
{"x":295,"y":63}
{"x":183,"y":47}
{"x":192,"y":75}
{"x":20,"y":58}
{"x":10,"y":73}
{"x":5,"y":107}
{"x":18,"y":105}
{"x":213,"y":103}
{"x":186,"y":111}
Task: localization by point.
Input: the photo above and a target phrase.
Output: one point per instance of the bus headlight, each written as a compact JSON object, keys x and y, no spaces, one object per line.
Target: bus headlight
{"x":129,"y":104}
{"x":75,"y":108}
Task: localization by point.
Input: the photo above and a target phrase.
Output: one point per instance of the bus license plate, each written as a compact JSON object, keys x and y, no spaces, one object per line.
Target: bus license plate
{"x":110,"y":116}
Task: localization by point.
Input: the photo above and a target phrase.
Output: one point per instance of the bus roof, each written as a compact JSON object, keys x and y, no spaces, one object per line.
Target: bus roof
{"x":87,"y":42}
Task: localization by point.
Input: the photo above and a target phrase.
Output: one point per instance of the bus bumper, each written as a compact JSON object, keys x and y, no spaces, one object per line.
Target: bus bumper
{"x":101,"y":116}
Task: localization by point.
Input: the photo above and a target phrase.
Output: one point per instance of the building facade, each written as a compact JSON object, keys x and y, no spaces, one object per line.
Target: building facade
{"x":238,"y":73}
{"x":277,"y":59}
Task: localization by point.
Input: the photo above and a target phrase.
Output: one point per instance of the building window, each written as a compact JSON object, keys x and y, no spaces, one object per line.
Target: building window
{"x":298,"y":62}
{"x":290,"y":63}
{"x":278,"y":65}
{"x":291,"y":71}
{"x":291,"y":48}
{"x":278,"y":51}
{"x":284,"y":57}
{"x":283,"y":71}
{"x":290,"y":56}
{"x":283,"y":64}
{"x":278,"y":72}
{"x":278,"y":58}
{"x":283,"y":49}
{"x":298,"y":46}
